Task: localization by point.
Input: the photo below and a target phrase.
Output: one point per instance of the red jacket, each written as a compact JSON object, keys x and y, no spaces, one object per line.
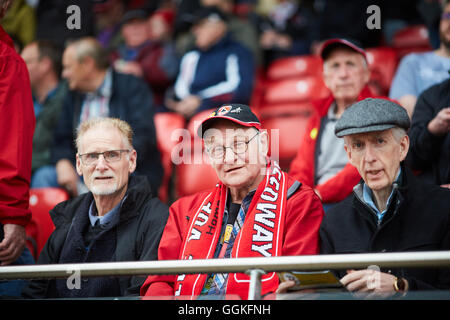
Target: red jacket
{"x":303,"y":216}
{"x":302,"y":167}
{"x":17,"y":123}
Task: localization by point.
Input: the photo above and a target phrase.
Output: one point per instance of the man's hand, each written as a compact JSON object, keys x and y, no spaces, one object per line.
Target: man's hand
{"x":67,"y":176}
{"x":284,"y":286}
{"x":186,"y":107}
{"x":440,"y":125}
{"x":12,"y":244}
{"x":369,"y":283}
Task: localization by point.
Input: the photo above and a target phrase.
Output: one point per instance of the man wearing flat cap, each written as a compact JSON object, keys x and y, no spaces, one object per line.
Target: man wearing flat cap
{"x":321,"y":161}
{"x":255,"y":210}
{"x":390,"y":209}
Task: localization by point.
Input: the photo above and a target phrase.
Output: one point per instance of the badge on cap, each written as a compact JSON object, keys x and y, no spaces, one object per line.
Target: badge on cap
{"x":223,"y":110}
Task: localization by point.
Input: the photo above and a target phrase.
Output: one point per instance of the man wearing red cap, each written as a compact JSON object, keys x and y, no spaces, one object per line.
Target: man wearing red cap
{"x":255,"y":210}
{"x":321,"y":161}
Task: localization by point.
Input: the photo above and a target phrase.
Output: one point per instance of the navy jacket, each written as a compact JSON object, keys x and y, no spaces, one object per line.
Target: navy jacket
{"x":428,"y":153}
{"x":418,"y":219}
{"x":132,"y":102}
{"x":221,"y":74}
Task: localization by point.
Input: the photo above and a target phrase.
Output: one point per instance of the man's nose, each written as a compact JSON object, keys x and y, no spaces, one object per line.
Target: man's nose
{"x":229,"y":156}
{"x":101,"y":163}
{"x":369,"y":154}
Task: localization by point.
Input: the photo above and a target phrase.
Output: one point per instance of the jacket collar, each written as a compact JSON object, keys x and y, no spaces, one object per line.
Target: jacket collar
{"x":400,"y":192}
{"x":323,"y":105}
{"x":137,"y":194}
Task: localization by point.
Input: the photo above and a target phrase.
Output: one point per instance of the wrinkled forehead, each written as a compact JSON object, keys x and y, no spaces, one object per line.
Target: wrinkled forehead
{"x":226,"y":131}
{"x":102,"y":136}
{"x":368,"y":135}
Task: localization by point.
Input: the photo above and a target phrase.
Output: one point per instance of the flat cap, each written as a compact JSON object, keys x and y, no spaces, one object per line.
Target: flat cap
{"x":371,"y":115}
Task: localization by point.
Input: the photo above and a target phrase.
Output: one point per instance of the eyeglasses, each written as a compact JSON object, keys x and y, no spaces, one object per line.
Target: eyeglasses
{"x":238,"y":147}
{"x":445,"y":16}
{"x":109,"y":156}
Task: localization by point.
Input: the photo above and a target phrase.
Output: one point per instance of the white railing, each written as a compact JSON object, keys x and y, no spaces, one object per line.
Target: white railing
{"x":255,"y":267}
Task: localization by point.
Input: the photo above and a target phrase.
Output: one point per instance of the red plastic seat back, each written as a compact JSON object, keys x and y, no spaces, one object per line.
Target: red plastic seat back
{"x":295,"y":67}
{"x":166,"y":123}
{"x":383,"y":63}
{"x":42,"y":200}
{"x":197,"y":175}
{"x":295,"y":90}
{"x":286,"y":133}
{"x":411,"y":39}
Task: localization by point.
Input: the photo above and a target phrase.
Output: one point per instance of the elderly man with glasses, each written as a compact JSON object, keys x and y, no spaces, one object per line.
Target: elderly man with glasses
{"x":118,"y":220}
{"x":255,"y":210}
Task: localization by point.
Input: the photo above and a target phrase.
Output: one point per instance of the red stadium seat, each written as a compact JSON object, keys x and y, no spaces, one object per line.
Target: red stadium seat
{"x":285,"y":109}
{"x":166,"y":123}
{"x":411,"y":39}
{"x":42,"y":200}
{"x":198,"y":175}
{"x":295,"y":90}
{"x":285,"y":134}
{"x":383,"y":63}
{"x":295,"y":67}
{"x":195,"y":121}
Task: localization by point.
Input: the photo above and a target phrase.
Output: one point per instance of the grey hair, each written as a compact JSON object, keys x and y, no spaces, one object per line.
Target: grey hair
{"x":397,"y":132}
{"x":124,"y":128}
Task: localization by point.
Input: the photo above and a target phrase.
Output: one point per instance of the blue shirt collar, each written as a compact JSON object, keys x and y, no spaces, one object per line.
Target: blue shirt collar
{"x":368,"y":198}
{"x":94,"y":217}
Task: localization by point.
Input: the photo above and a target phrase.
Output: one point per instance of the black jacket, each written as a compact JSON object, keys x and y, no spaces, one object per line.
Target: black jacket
{"x":142,"y":219}
{"x":428,"y":153}
{"x":417,"y":219}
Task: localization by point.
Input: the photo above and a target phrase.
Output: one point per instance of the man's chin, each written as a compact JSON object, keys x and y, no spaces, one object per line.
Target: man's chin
{"x":103,"y":190}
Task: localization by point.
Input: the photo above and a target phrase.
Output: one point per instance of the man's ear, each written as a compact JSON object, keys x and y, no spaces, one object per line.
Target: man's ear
{"x":132,"y":161}
{"x":404,"y":147}
{"x":78,"y":165}
{"x":264,"y":145}
{"x":349,"y":153}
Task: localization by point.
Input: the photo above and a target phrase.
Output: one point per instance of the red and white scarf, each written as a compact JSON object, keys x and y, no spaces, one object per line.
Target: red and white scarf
{"x":260,"y":236}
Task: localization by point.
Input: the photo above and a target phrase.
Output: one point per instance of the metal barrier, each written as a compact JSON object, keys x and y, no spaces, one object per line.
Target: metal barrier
{"x":255,"y":267}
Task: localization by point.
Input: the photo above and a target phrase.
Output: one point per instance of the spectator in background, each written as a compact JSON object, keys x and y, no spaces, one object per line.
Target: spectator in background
{"x":430,"y":135}
{"x":248,"y":181}
{"x":291,"y":29}
{"x":51,"y":17}
{"x":390,"y":209}
{"x":321,"y":161}
{"x":118,"y":220}
{"x":20,"y":22}
{"x":148,"y":51}
{"x":107,"y":16}
{"x":44,"y":63}
{"x":17,"y":124}
{"x":218,"y":71}
{"x":96,"y":90}
{"x":418,"y":71}
{"x":241,"y":30}
{"x":347,"y":19}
